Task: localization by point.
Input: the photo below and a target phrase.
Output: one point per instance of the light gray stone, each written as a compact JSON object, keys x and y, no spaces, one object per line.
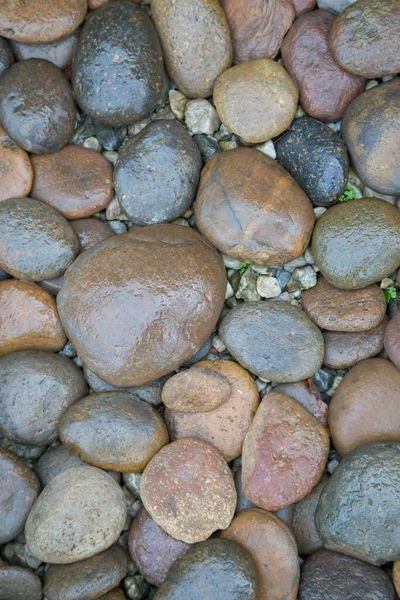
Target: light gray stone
{"x":268,"y":287}
{"x":201,"y":116}
{"x":335,"y":6}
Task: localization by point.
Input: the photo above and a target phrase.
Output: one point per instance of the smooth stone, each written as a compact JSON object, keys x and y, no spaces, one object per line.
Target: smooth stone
{"x":117,"y":71}
{"x":317,"y":159}
{"x":208,"y":147}
{"x":358,"y":510}
{"x":371,"y":130}
{"x":325,"y":88}
{"x":149,"y":392}
{"x":357,"y":243}
{"x":79,"y":514}
{"x":58,"y":52}
{"x":344,"y":310}
{"x":275,"y":473}
{"x":28,"y":319}
{"x":36,"y":242}
{"x":48,"y":119}
{"x":225,"y":426}
{"x":76,"y":181}
{"x":392,"y":339}
{"x":36,"y":389}
{"x":272,"y":546}
{"x":274,"y":340}
{"x":19,"y":490}
{"x":157,"y":173}
{"x":215,"y":565}
{"x":114,"y":430}
{"x":333,"y":576}
{"x":303,"y":6}
{"x":343,"y":349}
{"x":18,"y":583}
{"x":303,"y":525}
{"x":396,"y":576}
{"x":251,"y":209}
{"x":6,"y":56}
{"x":87,"y":578}
{"x":308,"y":395}
{"x":242,"y":92}
{"x":196,"y":390}
{"x":52,"y":285}
{"x":257,"y":31}
{"x":152,"y":550}
{"x":335,"y":6}
{"x":364,"y":38}
{"x":188,"y":489}
{"x":196,"y":43}
{"x":15,"y":169}
{"x":90,"y":232}
{"x":116,"y":594}
{"x":153,"y":281}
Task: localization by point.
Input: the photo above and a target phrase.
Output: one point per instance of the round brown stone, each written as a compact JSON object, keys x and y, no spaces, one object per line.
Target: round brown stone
{"x":364,"y":408}
{"x":308,"y":395}
{"x":344,"y":310}
{"x":392,"y":339}
{"x":188,"y":489}
{"x":152,"y":550}
{"x":18,"y":583}
{"x":303,"y":525}
{"x":325,"y":88}
{"x":249,"y":207}
{"x":257,"y":29}
{"x":18,"y":491}
{"x":15,"y":169}
{"x":90,"y":232}
{"x":257,"y":100}
{"x":28,"y":319}
{"x":58,"y":52}
{"x":225,"y":426}
{"x":272,"y":546}
{"x":196,"y":43}
{"x":396,"y":576}
{"x":196,"y":390}
{"x":134,"y":292}
{"x":77,"y":181}
{"x":284,"y":453}
{"x":114,"y":430}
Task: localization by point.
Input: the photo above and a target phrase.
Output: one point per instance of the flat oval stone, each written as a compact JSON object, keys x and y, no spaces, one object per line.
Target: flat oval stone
{"x":15,"y":168}
{"x":157,"y":173}
{"x":308,"y":395}
{"x":36,"y":242}
{"x":58,"y":52}
{"x":303,"y":525}
{"x":317,"y":159}
{"x":28,"y":319}
{"x":325,"y":88}
{"x":152,"y":550}
{"x":358,"y":510}
{"x":330,"y":576}
{"x":274,"y":340}
{"x":196,"y":390}
{"x":18,"y":583}
{"x":392,"y":339}
{"x":357,"y":243}
{"x":257,"y":32}
{"x":364,"y":38}
{"x":272,"y":546}
{"x":188,"y":489}
{"x":79,"y":514}
{"x":90,"y":232}
{"x":196,"y":43}
{"x":344,"y":310}
{"x":213,"y":565}
{"x":371,"y":130}
{"x":87,"y":578}
{"x":251,"y":209}
{"x":36,"y":389}
{"x":242,"y":92}
{"x":48,"y":119}
{"x":154,"y":281}
{"x":364,"y":408}
{"x":6,"y":56}
{"x":41,"y":21}
{"x":117,"y":71}
{"x":274,"y":470}
{"x":114,"y":430}
{"x":76,"y":181}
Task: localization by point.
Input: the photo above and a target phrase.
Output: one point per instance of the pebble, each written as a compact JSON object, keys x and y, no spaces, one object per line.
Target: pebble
{"x":335,"y":6}
{"x":188,"y":489}
{"x":247,"y":289}
{"x":90,"y":232}
{"x":302,"y":279}
{"x":196,"y":390}
{"x":282,"y":433}
{"x":177,"y":103}
{"x":267,"y":148}
{"x":268,"y":287}
{"x":109,"y":137}
{"x":6,"y":56}
{"x":303,"y":525}
{"x":242,"y":91}
{"x":308,"y":395}
{"x":59,"y":52}
{"x":55,"y":460}
{"x":303,"y":6}
{"x":392,"y":340}
{"x":16,"y":169}
{"x":201,"y":117}
{"x":208,"y":147}
{"x":18,"y":583}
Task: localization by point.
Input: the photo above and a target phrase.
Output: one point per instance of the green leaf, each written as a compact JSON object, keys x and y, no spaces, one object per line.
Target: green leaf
{"x":390,"y":293}
{"x":243,"y":267}
{"x":348,"y":194}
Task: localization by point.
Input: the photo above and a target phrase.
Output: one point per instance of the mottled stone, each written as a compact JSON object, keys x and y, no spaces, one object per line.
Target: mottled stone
{"x":345,"y":349}
{"x":308,"y":395}
{"x":15,"y":169}
{"x":303,"y":525}
{"x":90,"y":232}
{"x":196,"y":390}
{"x":58,"y":52}
{"x":18,"y":583}
{"x":6,"y":56}
{"x":392,"y":339}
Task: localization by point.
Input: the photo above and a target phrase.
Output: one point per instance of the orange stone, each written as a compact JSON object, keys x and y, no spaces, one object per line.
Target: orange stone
{"x":15,"y":169}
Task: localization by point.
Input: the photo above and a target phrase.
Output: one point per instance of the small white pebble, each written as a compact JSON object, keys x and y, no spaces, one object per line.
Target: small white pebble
{"x":231,"y":263}
{"x":177,"y":102}
{"x":319,"y":211}
{"x":387,"y":78}
{"x":267,"y":148}
{"x":92,"y":143}
{"x":201,"y":116}
{"x":387,"y":282}
{"x":335,"y":126}
{"x":262,"y":270}
{"x":371,"y":84}
{"x":114,"y":211}
{"x":229,"y":291}
{"x":268,"y":287}
{"x":299,"y":112}
{"x":218,"y":344}
{"x":138,"y":126}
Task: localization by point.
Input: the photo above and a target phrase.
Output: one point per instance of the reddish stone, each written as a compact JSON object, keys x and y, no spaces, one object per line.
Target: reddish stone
{"x":15,"y":169}
{"x":392,"y":339}
{"x":90,"y":232}
{"x":308,"y":395}
{"x":196,"y":390}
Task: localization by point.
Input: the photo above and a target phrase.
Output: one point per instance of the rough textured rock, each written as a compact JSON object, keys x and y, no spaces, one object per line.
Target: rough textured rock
{"x":157,"y":173}
{"x":358,"y":510}
{"x":273,"y":340}
{"x":90,"y":232}
{"x":197,"y":390}
{"x":273,"y":548}
{"x":251,"y":209}
{"x":392,"y":339}
{"x":303,"y":525}
{"x":15,"y":169}
{"x":79,"y":514}
{"x":308,"y":395}
{"x":149,"y":392}
{"x":76,"y":181}
{"x":188,"y":489}
{"x":154,"y":281}
{"x":48,"y":119}
{"x":117,"y":71}
{"x":242,"y":92}
{"x":325,"y":88}
{"x":6,"y":56}
{"x":344,"y":349}
{"x":58,"y":52}
{"x":18,"y":583}
{"x":284,"y":453}
{"x":257,"y":28}
{"x":196,"y":43}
